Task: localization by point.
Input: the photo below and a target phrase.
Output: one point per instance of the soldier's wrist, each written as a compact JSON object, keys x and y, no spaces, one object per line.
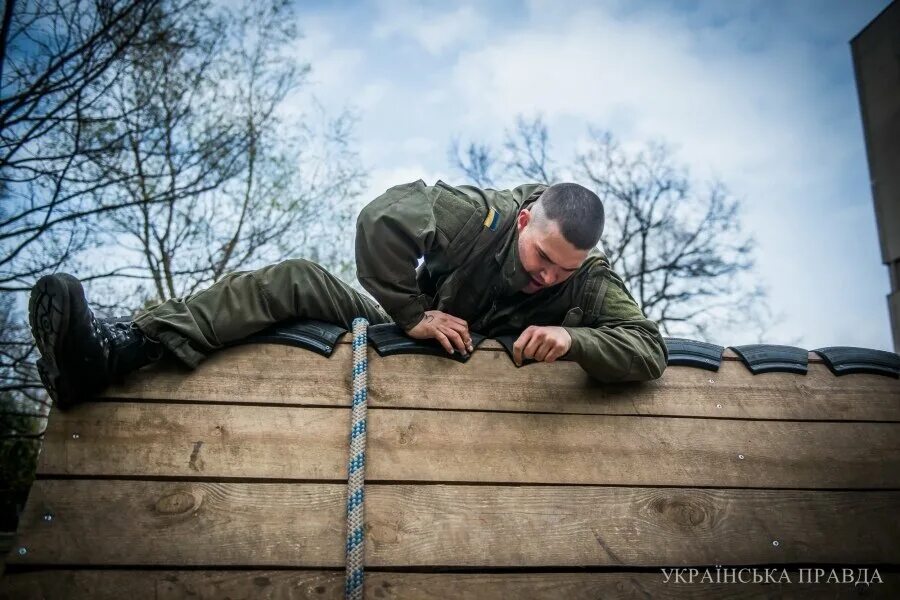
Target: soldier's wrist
{"x":410,"y":315}
{"x":575,"y":347}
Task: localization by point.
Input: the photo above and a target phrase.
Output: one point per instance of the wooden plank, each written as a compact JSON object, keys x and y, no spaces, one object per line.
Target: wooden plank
{"x":173,"y":585}
{"x":490,"y":381}
{"x":133,"y":439}
{"x":618,"y":526}
{"x":328,"y":585}
{"x":270,"y":373}
{"x":195,"y":440}
{"x":189,"y":523}
{"x":120,"y":522}
{"x":600,"y":449}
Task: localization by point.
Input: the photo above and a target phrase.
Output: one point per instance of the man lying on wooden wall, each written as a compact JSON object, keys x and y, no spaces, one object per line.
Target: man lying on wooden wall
{"x":495,"y":262}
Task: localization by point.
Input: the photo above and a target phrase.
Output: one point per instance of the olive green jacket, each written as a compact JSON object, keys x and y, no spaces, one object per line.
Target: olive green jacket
{"x":468,"y":238}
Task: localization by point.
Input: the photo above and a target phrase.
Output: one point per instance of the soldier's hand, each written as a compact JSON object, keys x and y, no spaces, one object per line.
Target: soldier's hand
{"x":452,"y":332}
{"x":544,"y":344}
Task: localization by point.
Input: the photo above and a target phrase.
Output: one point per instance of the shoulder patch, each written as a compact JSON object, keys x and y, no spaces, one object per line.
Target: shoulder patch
{"x":492,"y":221}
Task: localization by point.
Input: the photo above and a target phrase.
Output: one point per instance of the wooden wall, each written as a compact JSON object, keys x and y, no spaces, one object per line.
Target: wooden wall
{"x":483,"y":481}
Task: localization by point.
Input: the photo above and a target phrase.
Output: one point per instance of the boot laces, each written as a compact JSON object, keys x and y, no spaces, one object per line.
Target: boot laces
{"x":119,"y":333}
{"x":129,"y":348}
{"x":101,"y":334}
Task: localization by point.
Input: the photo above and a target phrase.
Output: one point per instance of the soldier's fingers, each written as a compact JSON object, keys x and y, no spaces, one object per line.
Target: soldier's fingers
{"x":440,"y":337}
{"x":462,"y":330}
{"x":543,"y":350}
{"x":466,"y":337}
{"x":449,"y":321}
{"x":520,"y":344}
{"x":533,"y":344}
{"x":455,"y":339}
{"x":553,"y":354}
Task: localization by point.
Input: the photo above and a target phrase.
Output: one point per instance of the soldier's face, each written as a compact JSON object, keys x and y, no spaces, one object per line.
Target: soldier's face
{"x":547,"y":256}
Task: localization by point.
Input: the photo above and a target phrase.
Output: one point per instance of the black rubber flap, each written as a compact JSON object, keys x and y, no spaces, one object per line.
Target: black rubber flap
{"x":770,"y":358}
{"x":691,"y":353}
{"x":389,"y":339}
{"x":318,"y":336}
{"x":844,"y":360}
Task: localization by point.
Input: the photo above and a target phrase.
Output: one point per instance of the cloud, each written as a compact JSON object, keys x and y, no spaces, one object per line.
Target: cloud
{"x":371,"y":94}
{"x":437,"y":32}
{"x":331,"y":62}
{"x":645,"y":75}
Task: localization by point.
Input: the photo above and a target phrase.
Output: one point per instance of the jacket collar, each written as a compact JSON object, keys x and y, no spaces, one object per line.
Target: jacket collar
{"x":512,"y":272}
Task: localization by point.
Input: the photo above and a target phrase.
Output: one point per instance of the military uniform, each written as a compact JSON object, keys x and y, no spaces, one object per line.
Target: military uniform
{"x":468,"y":238}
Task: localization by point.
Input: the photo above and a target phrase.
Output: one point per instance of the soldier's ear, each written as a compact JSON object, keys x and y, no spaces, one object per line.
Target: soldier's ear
{"x":523,"y":219}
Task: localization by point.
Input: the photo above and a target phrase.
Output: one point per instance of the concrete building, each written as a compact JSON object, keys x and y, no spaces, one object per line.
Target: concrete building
{"x":876,"y":60}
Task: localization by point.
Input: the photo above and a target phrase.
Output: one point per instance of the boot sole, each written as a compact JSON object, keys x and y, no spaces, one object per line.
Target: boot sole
{"x":48,"y":315}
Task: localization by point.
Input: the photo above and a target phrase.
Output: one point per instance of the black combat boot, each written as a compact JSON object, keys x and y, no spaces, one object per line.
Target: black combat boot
{"x":80,"y":354}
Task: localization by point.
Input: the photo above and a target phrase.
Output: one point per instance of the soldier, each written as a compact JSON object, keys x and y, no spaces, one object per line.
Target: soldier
{"x":519,"y":261}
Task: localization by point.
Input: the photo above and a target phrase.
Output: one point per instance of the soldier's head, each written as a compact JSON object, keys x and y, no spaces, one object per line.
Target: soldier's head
{"x":557,"y":232}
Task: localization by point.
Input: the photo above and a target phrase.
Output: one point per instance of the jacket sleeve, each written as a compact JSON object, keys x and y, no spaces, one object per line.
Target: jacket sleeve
{"x":398,"y":228}
{"x":620,"y":344}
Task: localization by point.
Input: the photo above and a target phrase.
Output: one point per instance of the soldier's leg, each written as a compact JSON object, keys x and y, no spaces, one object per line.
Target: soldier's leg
{"x":80,"y":354}
{"x":243,"y":303}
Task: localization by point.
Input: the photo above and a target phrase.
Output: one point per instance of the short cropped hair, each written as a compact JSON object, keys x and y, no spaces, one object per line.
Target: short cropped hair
{"x":577,"y":211}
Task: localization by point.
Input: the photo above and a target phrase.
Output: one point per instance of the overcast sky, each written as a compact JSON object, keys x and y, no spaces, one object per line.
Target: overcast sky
{"x":760,"y":94}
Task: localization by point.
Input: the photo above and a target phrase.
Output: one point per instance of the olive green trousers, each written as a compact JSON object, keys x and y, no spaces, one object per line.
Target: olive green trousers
{"x":245,"y":302}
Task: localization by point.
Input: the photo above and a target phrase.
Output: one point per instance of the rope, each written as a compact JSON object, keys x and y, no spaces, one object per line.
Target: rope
{"x":353,"y":585}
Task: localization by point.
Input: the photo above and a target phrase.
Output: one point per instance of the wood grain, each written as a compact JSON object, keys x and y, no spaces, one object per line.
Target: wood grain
{"x":490,"y":381}
{"x":620,"y":526}
{"x":328,"y":585}
{"x":624,"y":450}
{"x":109,"y":522}
{"x":134,"y":439}
{"x":196,"y":440}
{"x":270,"y":373}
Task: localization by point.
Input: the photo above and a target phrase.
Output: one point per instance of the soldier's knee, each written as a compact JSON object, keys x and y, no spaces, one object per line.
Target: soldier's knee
{"x":291,"y":286}
{"x":287,"y":276}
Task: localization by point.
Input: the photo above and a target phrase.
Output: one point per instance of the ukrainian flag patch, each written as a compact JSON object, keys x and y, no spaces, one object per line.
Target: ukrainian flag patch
{"x":492,"y":221}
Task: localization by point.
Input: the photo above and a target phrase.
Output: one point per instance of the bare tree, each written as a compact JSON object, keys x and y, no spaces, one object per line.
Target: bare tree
{"x":24,"y":407}
{"x":524,"y":155}
{"x":16,"y":349}
{"x":180,"y":139}
{"x":60,"y":57}
{"x":145,"y":146}
{"x":527,"y":151}
{"x":679,"y":249}
{"x":677,"y":244}
{"x":225,"y":181}
{"x":58,"y":61}
{"x":477,"y":162}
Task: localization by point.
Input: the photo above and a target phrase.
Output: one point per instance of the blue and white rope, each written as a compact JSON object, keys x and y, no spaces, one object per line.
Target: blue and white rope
{"x":353,"y":587}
